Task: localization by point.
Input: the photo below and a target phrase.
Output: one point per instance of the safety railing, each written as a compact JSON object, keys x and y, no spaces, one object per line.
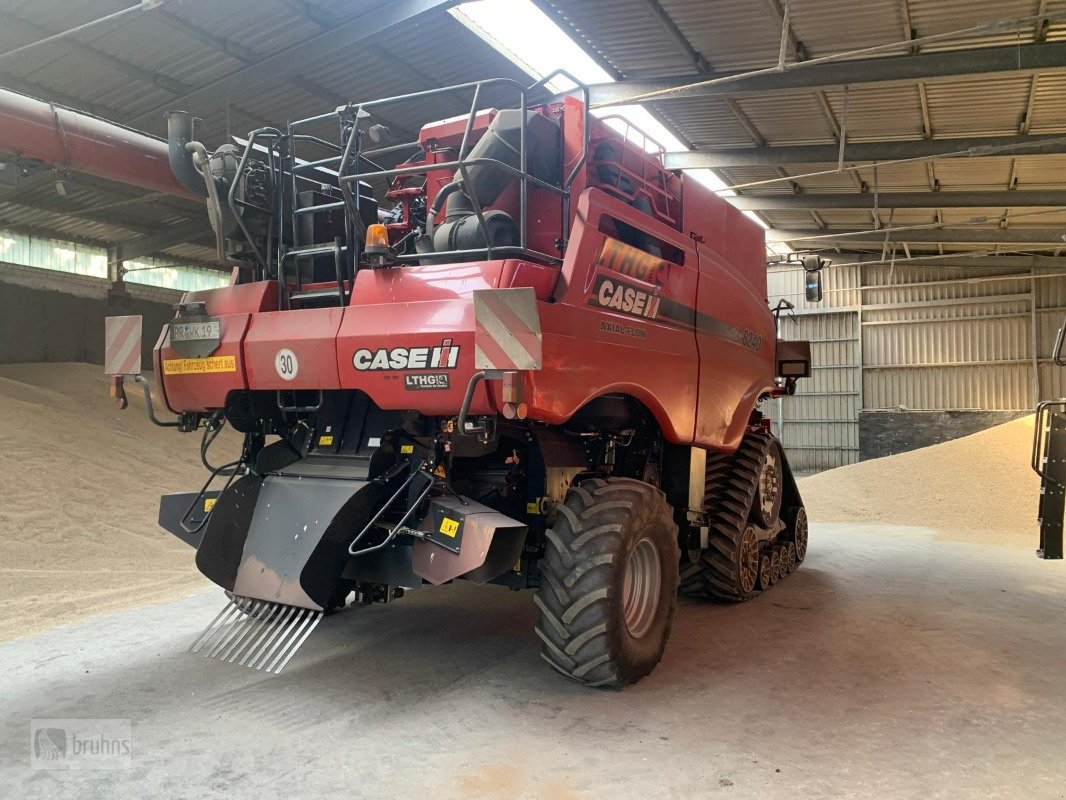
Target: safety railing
{"x":634,"y":149}
{"x":353,"y":154}
{"x":348,"y":163}
{"x":264,"y":263}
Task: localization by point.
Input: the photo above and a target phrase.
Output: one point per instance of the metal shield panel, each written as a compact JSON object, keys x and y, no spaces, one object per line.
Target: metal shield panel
{"x":291,"y":517}
{"x":489,"y":539}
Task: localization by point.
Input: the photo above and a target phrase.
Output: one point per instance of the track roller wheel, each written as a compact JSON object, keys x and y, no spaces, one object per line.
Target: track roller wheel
{"x":790,"y":549}
{"x":796,"y":528}
{"x":775,"y":565}
{"x":782,"y":561}
{"x":764,"y":572}
{"x":609,"y":582}
{"x":769,"y":490}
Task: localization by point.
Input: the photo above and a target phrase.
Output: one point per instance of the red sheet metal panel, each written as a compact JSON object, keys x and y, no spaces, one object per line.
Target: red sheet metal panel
{"x":293,"y":349}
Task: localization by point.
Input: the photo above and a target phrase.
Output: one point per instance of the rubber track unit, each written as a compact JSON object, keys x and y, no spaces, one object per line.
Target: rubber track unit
{"x":728,"y":494}
{"x":577,"y":624}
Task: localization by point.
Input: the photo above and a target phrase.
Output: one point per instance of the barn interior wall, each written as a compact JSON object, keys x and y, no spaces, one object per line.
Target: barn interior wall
{"x":54,"y":316}
{"x":936,"y":347}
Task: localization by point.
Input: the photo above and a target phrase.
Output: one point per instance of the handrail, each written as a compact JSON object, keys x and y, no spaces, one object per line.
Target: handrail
{"x":414,"y":169}
{"x":1041,"y":435}
{"x":264,"y":263}
{"x":353,"y":165}
{"x":1056,"y":354}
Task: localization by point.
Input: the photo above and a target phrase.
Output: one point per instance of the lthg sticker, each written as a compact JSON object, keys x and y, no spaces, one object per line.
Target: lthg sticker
{"x":286,"y":364}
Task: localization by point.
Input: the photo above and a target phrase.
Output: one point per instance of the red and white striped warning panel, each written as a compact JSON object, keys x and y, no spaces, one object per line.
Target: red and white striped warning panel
{"x":506,"y":329}
{"x":122,"y":345}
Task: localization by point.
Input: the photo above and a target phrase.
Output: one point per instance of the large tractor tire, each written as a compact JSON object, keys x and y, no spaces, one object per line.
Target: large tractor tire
{"x":609,"y":582}
{"x":729,"y":568}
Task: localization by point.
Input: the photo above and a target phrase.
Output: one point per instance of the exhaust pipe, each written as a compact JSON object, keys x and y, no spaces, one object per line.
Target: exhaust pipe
{"x":179,"y":134}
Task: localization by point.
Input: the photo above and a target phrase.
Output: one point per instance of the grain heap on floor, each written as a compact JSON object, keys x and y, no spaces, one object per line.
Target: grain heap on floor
{"x":82,"y":480}
{"x":979,"y":488}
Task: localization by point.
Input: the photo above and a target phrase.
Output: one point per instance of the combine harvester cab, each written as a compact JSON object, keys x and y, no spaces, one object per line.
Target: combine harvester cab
{"x":519,"y":352}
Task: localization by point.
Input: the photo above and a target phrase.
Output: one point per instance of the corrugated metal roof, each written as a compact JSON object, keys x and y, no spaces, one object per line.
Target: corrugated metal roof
{"x":878,"y":113}
{"x":628,"y":35}
{"x":978,"y":107}
{"x":836,"y":26}
{"x":740,"y":34}
{"x":132,"y":68}
{"x":707,"y":120}
{"x":731,"y":34}
{"x":1049,"y":105}
{"x":929,"y":17}
{"x":788,"y":118}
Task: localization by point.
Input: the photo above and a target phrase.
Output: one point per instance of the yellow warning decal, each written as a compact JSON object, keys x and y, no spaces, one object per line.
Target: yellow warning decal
{"x":406,"y":449}
{"x":209,"y":503}
{"x":533,"y":508}
{"x":194,"y":366}
{"x":325,"y":441}
{"x":449,"y":527}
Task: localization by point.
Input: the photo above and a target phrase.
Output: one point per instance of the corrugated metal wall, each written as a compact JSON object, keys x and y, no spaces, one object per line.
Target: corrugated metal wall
{"x":819,"y":424}
{"x":918,"y":338}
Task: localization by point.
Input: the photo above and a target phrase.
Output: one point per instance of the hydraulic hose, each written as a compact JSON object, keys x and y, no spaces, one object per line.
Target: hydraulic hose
{"x":200,"y":162}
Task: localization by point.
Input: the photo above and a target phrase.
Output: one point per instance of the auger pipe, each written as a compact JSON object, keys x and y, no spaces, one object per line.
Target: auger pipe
{"x":32,"y":129}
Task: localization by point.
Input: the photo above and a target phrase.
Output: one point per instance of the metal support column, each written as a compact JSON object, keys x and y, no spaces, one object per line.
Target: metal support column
{"x":115,"y":266}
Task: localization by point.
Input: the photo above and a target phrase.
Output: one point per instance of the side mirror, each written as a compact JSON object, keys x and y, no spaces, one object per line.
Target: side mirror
{"x":813,"y":286}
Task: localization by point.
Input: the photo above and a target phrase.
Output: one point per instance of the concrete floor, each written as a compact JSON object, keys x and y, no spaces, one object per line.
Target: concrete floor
{"x":894,"y":664}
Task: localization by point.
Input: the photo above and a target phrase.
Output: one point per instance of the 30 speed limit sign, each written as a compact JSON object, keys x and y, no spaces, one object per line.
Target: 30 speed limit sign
{"x":286,"y":364}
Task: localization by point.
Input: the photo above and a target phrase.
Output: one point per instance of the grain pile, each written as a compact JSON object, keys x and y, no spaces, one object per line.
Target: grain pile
{"x":978,"y":488}
{"x":82,"y":480}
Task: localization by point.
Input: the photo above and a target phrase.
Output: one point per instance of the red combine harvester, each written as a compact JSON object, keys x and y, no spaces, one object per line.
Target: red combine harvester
{"x":527,"y":355}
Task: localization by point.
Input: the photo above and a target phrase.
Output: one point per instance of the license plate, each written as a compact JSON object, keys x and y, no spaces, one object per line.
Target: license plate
{"x":195,"y":331}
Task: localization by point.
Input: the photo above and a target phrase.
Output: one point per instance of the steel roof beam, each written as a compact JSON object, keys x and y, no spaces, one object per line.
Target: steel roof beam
{"x":950,"y":260}
{"x":812,"y":238}
{"x":806,"y":202}
{"x":863,"y":151}
{"x":1027,"y":59}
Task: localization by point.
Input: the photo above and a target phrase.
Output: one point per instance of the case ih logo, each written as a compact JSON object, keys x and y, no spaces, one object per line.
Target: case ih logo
{"x":621,"y":296}
{"x":445,"y":356}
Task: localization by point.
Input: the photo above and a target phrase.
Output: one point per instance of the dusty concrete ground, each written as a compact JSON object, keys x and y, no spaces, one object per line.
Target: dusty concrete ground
{"x":893,"y":664}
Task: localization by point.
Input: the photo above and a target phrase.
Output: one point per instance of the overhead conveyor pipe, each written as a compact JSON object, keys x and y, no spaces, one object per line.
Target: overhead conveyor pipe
{"x":67,"y":139}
